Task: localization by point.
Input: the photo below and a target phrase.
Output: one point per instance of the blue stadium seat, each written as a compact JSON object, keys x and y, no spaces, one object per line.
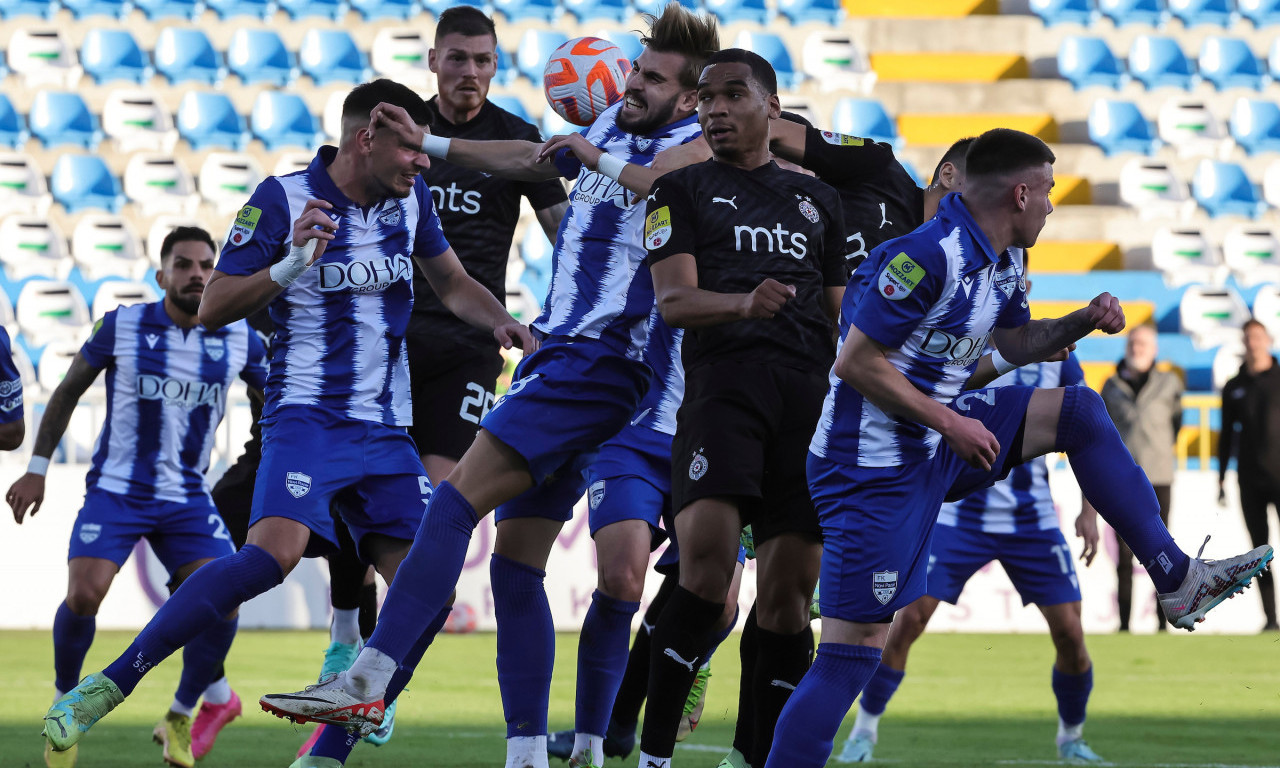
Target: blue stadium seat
{"x":535,"y":48}
{"x":1124,"y":12}
{"x":735,"y":11}
{"x":599,"y":10}
{"x":1157,"y":61}
{"x":554,"y":125}
{"x":1263,"y":13}
{"x":1086,"y":61}
{"x":821,"y":11}
{"x":1255,"y":125}
{"x":655,"y":6}
{"x":1053,"y":12}
{"x":1220,"y":13}
{"x":331,"y":56}
{"x":866,"y":118}
{"x":12,"y":9}
{"x":259,"y":56}
{"x":12,"y":132}
{"x":506,"y":73}
{"x":325,"y":9}
{"x":436,"y":7}
{"x":628,"y":42}
{"x":113,"y":54}
{"x":771,"y":47}
{"x":524,"y":10}
{"x":374,"y":10}
{"x":1223,"y":189}
{"x":282,"y":119}
{"x":80,"y":182}
{"x":63,"y":117}
{"x":230,"y":9}
{"x":512,"y":104}
{"x":1229,"y":62}
{"x":116,"y":9}
{"x":208,"y":120}
{"x":1273,"y":59}
{"x":1118,"y":126}
{"x":186,"y":55}
{"x":160,"y":9}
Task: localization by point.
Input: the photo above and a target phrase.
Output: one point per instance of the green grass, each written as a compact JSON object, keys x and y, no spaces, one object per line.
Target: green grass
{"x":968,"y":700}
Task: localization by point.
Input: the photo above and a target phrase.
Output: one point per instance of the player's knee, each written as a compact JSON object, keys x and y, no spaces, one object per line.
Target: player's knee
{"x":1068,"y":640}
{"x":1083,"y":419}
{"x":785,"y":614}
{"x":84,"y":599}
{"x":622,"y":581}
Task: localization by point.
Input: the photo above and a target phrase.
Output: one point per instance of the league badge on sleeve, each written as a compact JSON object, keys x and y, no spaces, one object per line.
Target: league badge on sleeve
{"x":900,"y":277}
{"x":842,"y":140}
{"x":657,"y":228}
{"x":245,"y":224}
{"x":884,"y":584}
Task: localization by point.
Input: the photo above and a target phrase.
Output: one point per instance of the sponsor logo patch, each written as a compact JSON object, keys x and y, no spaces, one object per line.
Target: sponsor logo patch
{"x":884,"y":584}
{"x":297,"y":484}
{"x":900,"y":277}
{"x":842,"y":140}
{"x":245,"y":224}
{"x":657,"y":228}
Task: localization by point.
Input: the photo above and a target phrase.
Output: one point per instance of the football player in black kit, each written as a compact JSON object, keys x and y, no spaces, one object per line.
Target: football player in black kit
{"x":749,"y":259}
{"x":453,"y":367}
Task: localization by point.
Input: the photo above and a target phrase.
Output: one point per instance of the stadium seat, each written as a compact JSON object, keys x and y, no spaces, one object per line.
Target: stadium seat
{"x":627,"y":41}
{"x":230,"y":9}
{"x":186,"y":55}
{"x":50,"y":309}
{"x":866,"y":118}
{"x":655,"y":6}
{"x":43,"y":57}
{"x":291,"y":162}
{"x":1154,"y":190}
{"x":259,"y":56}
{"x":536,"y":46}
{"x":165,"y":9}
{"x":1157,"y":62}
{"x":227,"y":179}
{"x":799,"y":106}
{"x":1087,"y":61}
{"x":774,"y":50}
{"x":159,"y":184}
{"x":14,"y":9}
{"x":1255,"y":125}
{"x":161,"y":226}
{"x":113,"y":294}
{"x":1223,"y":189}
{"x":55,"y":360}
{"x":1252,"y":254}
{"x":1273,"y":59}
{"x":12,"y":132}
{"x":33,"y":246}
{"x":20,"y":359}
{"x":554,"y":125}
{"x":1271,"y":184}
{"x":331,"y":56}
{"x":739,"y":11}
{"x":1211,"y":315}
{"x":400,"y":53}
{"x":209,"y":120}
{"x":1229,"y":62}
{"x":325,"y":9}
{"x":516,"y":11}
{"x":79,"y":182}
{"x":1125,"y":12}
{"x":282,"y":119}
{"x":22,"y":186}
{"x":802,"y":11}
{"x":836,"y":62}
{"x":505,"y":73}
{"x":377,"y":10}
{"x":1266,"y":309}
{"x":1117,"y":126}
{"x":104,"y":245}
{"x":512,"y":104}
{"x":331,"y":117}
{"x":1221,"y":13}
{"x":1186,"y":256}
{"x":1051,"y":12}
{"x":1263,"y":13}
{"x":136,"y":119}
{"x":1191,"y":127}
{"x":82,"y":9}
{"x":598,"y":10}
{"x":113,"y":54}
{"x":62,"y":117}
{"x":436,"y":7}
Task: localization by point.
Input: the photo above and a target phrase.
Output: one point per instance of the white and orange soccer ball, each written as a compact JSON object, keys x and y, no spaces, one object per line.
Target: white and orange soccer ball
{"x":462,"y":619}
{"x":584,"y":77}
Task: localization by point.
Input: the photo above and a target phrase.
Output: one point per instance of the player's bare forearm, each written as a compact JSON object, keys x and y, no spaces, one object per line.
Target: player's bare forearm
{"x":462,"y":295}
{"x":1040,"y":339}
{"x":228,"y":298}
{"x":549,"y":219}
{"x":862,"y":364}
{"x":62,"y":403}
{"x":639,"y":178}
{"x":983,"y":375}
{"x":510,"y":159}
{"x":12,"y":435}
{"x":787,"y":140}
{"x":692,"y":307}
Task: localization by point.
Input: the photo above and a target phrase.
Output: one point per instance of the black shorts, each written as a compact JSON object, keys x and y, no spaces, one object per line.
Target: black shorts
{"x":233,"y":496}
{"x":452,"y":390}
{"x":743,"y":433}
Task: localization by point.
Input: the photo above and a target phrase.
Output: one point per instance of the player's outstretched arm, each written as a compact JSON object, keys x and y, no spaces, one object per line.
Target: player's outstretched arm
{"x":472,"y":302}
{"x":1040,"y":339}
{"x":510,"y":159}
{"x":639,"y":179}
{"x":684,"y":305}
{"x":28,"y":490}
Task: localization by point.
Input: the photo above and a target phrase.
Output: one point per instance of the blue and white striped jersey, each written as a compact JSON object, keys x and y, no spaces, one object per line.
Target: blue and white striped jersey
{"x":10,"y":383}
{"x":933,"y":297}
{"x":166,"y":392}
{"x":666,"y":388}
{"x":340,"y":327}
{"x":600,"y":288}
{"x":1020,"y":502}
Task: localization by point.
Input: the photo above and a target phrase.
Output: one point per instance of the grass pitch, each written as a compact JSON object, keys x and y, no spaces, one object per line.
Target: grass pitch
{"x":968,"y":700}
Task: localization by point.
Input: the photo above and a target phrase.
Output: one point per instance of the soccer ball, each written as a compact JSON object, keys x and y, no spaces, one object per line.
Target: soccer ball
{"x":462,"y":619}
{"x":584,"y":77}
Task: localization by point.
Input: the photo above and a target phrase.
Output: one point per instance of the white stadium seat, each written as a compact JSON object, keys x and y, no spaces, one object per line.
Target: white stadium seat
{"x":838,"y":63}
{"x":1190,"y":126}
{"x":22,"y":186}
{"x":1252,"y":254}
{"x":1186,"y":256}
{"x":33,"y":246}
{"x":400,"y":53}
{"x":136,"y":119}
{"x":227,"y":179}
{"x":106,"y":245}
{"x":51,"y":309}
{"x":1212,"y":315}
{"x":160,"y":184}
{"x":1154,"y":190}
{"x":43,"y":57}
{"x":121,"y":293}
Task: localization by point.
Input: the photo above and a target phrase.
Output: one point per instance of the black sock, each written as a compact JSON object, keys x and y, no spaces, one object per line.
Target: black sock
{"x":744,"y":733}
{"x":684,"y":633}
{"x":781,"y":661}
{"x":368,"y":610}
{"x":635,"y":681}
{"x":346,"y":577}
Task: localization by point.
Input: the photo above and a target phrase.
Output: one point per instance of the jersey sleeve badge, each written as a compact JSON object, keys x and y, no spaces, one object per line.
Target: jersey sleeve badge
{"x":657,"y":228}
{"x":900,"y":277}
{"x":245,"y":224}
{"x":842,"y":140}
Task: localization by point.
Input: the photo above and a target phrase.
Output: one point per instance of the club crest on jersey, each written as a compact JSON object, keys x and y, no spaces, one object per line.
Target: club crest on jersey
{"x":245,"y":224}
{"x":215,"y":347}
{"x":1028,"y":376}
{"x":643,"y":144}
{"x":884,"y":584}
{"x":697,"y":466}
{"x":392,"y":216}
{"x":842,"y":140}
{"x":657,"y":228}
{"x":595,"y":495}
{"x":807,"y":210}
{"x":89,"y":532}
{"x":297,"y":484}
{"x":1006,"y":279}
{"x":900,"y":277}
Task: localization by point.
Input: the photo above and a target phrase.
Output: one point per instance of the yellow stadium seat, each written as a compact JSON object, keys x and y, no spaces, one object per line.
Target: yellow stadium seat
{"x":922,"y":9}
{"x":1075,"y":256}
{"x":935,"y":67}
{"x":1071,"y":190}
{"x":942,"y":129}
{"x":1095,"y":373}
{"x":1135,"y":312}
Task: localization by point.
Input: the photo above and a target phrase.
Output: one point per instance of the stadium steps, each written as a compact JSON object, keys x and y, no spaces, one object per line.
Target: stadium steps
{"x":917,"y":67}
{"x":1075,"y":256}
{"x":942,"y":129}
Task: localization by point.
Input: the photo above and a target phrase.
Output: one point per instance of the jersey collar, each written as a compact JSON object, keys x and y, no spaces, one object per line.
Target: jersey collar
{"x":953,"y":209}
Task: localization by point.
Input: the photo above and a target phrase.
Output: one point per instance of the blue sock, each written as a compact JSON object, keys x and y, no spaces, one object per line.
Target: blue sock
{"x":526,"y":645}
{"x":202,"y":660}
{"x":807,"y":728}
{"x":213,"y":591}
{"x":335,"y":743}
{"x":883,"y":684}
{"x":1114,"y":484}
{"x":602,"y":660}
{"x":428,"y":575}
{"x":1072,"y":692}
{"x":72,"y":636}
{"x":724,"y":634}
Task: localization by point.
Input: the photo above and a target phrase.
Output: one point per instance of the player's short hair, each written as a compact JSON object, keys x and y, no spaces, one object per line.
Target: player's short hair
{"x":679,"y":30}
{"x":955,"y":155}
{"x":1253,"y":321}
{"x":185,"y":235}
{"x":363,"y":98}
{"x":1001,"y":151}
{"x":466,"y":21}
{"x":794,"y":117}
{"x":761,"y":69}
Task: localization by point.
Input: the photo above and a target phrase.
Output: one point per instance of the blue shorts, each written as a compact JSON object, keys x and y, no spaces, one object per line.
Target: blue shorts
{"x":180,"y":532}
{"x":309,"y":454}
{"x":1037,"y":562}
{"x":567,"y":400}
{"x":878,"y":522}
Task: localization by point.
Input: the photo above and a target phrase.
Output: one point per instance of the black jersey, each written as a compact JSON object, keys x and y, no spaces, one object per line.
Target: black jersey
{"x":879,"y":198}
{"x":742,"y":227}
{"x":478,"y":213}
